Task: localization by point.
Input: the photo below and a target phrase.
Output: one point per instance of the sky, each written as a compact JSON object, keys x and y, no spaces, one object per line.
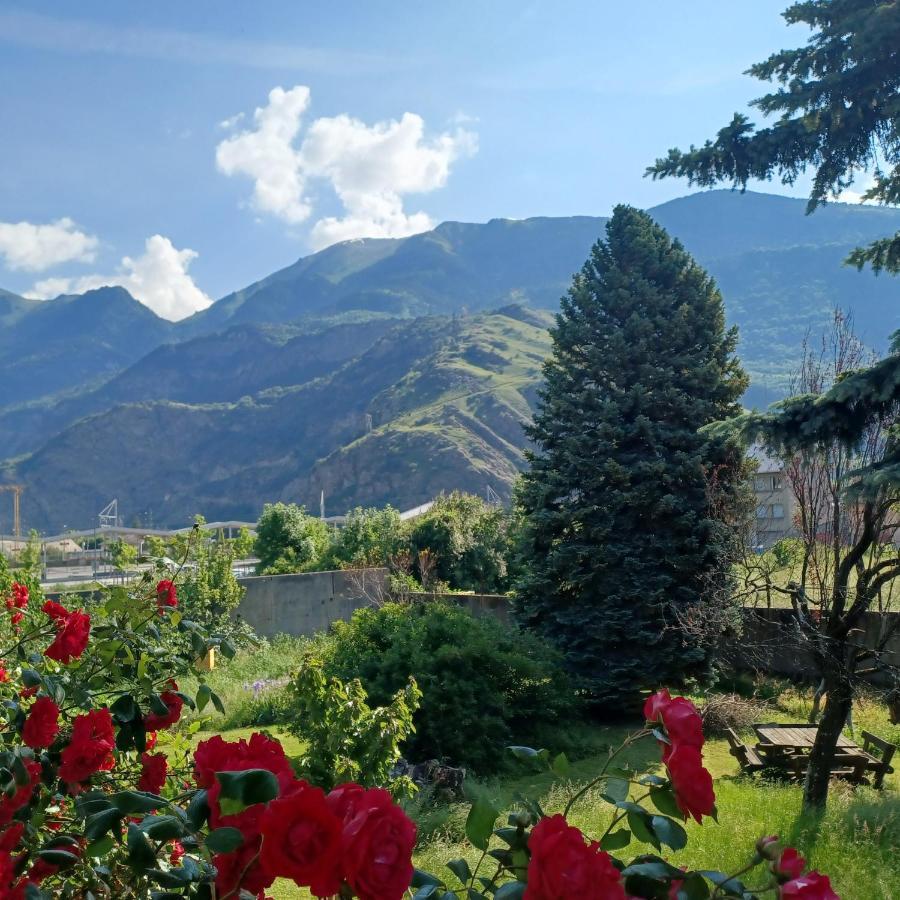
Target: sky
{"x":187,"y":150}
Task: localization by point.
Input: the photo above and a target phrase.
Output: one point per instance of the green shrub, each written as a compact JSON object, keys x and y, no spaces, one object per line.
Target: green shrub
{"x":483,"y":684}
{"x":346,"y":739}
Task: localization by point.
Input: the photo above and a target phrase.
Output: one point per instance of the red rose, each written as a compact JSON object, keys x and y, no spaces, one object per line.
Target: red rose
{"x":9,"y":806}
{"x":678,"y":716}
{"x":378,"y":846}
{"x":302,"y":841}
{"x":7,"y":873}
{"x":177,"y":853}
{"x":260,"y":752}
{"x":790,"y":864}
{"x":238,"y":871}
{"x":18,"y":598}
{"x":42,"y":724}
{"x":563,"y":866}
{"x":90,"y":747}
{"x":71,"y":638}
{"x":56,"y":612}
{"x":811,"y":886}
{"x":344,"y":799}
{"x":151,"y":739}
{"x":153,"y":772}
{"x":10,"y":838}
{"x":157,"y":722}
{"x":4,"y":675}
{"x":166,"y":594}
{"x":692,"y":783}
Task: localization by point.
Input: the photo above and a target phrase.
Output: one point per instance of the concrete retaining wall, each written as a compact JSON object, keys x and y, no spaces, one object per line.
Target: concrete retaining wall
{"x":307,"y":604}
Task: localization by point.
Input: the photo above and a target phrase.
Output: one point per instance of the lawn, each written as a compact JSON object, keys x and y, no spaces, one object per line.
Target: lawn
{"x":855,"y":843}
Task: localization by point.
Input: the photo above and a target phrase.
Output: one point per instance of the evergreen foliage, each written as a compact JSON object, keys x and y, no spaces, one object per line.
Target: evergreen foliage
{"x":837,"y":113}
{"x":619,"y":533}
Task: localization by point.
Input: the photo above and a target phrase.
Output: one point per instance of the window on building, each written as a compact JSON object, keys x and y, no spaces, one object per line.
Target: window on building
{"x":777,"y":482}
{"x":777,"y":511}
{"x":761,"y":483}
{"x":762,"y":511}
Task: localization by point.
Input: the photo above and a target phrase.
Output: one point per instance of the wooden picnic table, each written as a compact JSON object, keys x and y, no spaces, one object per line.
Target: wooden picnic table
{"x":787,"y":746}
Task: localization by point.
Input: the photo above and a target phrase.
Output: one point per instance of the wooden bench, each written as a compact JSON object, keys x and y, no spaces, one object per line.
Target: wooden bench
{"x":881,"y":753}
{"x":748,"y":759}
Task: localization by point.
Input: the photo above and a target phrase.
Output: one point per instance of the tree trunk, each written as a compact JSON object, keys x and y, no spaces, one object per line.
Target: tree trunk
{"x":837,"y":707}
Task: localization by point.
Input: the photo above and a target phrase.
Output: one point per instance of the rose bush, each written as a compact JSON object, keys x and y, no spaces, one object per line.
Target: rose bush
{"x":101,"y":794}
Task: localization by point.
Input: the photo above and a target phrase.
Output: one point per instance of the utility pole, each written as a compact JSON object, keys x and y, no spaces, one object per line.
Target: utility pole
{"x":16,"y":490}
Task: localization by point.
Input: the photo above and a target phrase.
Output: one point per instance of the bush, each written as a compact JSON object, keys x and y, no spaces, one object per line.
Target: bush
{"x":346,"y":739}
{"x":483,"y":684}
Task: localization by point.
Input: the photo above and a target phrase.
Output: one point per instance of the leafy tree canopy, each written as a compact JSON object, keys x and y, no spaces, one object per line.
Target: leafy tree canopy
{"x":838,"y":113}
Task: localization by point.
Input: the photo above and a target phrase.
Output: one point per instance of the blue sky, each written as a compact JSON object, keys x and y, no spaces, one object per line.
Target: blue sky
{"x":114,"y":145}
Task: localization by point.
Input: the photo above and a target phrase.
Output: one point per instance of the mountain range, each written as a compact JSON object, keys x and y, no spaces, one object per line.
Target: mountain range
{"x":375,"y":370}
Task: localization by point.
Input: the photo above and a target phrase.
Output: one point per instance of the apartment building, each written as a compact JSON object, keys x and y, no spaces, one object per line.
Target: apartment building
{"x":774,"y":516}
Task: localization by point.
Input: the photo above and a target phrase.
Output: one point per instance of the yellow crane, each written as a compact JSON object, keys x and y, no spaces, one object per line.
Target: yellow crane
{"x":16,"y":490}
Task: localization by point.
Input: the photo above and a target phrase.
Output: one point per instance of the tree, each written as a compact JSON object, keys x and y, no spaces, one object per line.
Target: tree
{"x":467,"y":541}
{"x":288,"y":539}
{"x":618,"y":531}
{"x":837,"y":114}
{"x":368,"y":537}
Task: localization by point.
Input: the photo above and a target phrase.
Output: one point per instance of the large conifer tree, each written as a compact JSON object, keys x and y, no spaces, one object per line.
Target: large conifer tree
{"x":618,"y":532}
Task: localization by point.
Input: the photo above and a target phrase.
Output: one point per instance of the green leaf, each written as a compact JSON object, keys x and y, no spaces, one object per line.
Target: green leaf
{"x":512,"y":890}
{"x":693,"y":887}
{"x":245,"y":788}
{"x":560,"y":765}
{"x":203,"y":694}
{"x":480,"y":823}
{"x":663,"y":798}
{"x":460,"y":868}
{"x":641,"y":827}
{"x":422,"y":879}
{"x":140,"y":851}
{"x":198,"y":810}
{"x":616,"y":840}
{"x":125,"y":709}
{"x":162,"y":828}
{"x":101,"y":847}
{"x":228,"y":649}
{"x":224,"y":840}
{"x":731,"y":886}
{"x":97,"y":825}
{"x":616,"y":789}
{"x":669,"y":832}
{"x":131,"y":802}
{"x":217,"y":702}
{"x":526,"y":752}
{"x":58,"y":857}
{"x":30,"y":678}
{"x":428,"y":890}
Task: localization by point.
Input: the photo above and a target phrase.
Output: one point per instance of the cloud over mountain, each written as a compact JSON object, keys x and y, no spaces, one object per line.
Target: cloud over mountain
{"x":370,"y":168}
{"x":35,"y":248}
{"x":158,"y":278}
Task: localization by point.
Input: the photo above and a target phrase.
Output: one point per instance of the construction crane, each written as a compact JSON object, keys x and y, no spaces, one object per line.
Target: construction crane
{"x":16,"y":490}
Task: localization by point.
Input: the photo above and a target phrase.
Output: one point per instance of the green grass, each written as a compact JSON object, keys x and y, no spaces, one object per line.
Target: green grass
{"x":855,"y":843}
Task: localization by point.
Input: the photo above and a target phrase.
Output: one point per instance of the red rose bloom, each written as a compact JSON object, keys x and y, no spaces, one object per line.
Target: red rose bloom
{"x":260,"y":752}
{"x":153,"y":772}
{"x":811,"y":886}
{"x":678,"y":716}
{"x":237,"y":871}
{"x":692,"y":783}
{"x":9,"y":806}
{"x":302,"y":841}
{"x":563,"y":866}
{"x":56,"y":612}
{"x":150,"y":741}
{"x":4,"y":675}
{"x":157,"y":722}
{"x":790,"y":864}
{"x":166,"y":594}
{"x":10,"y":838}
{"x":18,"y":598}
{"x":42,"y":724}
{"x":378,"y":846}
{"x":177,"y":853}
{"x":90,"y":748}
{"x":344,"y":799}
{"x":71,"y":638}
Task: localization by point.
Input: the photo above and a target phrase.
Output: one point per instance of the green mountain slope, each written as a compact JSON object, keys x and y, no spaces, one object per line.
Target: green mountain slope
{"x":433,"y":404}
{"x":72,"y":341}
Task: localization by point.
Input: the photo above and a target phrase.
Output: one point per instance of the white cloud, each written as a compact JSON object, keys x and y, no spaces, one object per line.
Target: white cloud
{"x":370,"y":167}
{"x":848,"y":195}
{"x":35,"y":248}
{"x":159,"y":279}
{"x":267,"y":155}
